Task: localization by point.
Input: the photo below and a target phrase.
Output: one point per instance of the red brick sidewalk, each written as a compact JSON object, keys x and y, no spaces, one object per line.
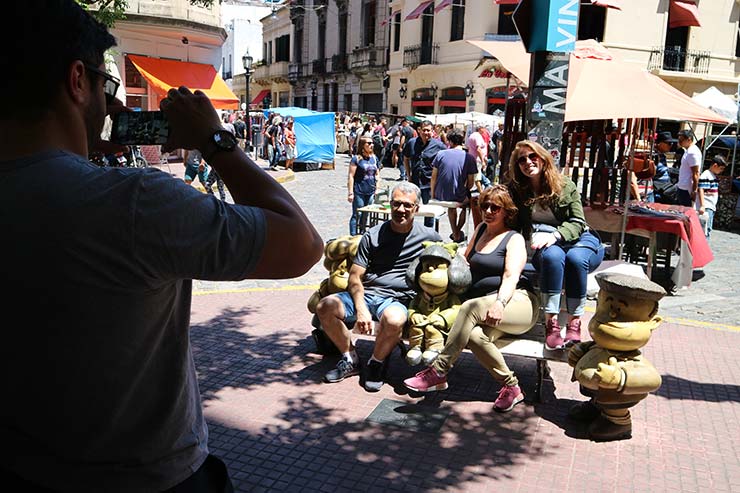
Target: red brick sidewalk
{"x":280,"y":429}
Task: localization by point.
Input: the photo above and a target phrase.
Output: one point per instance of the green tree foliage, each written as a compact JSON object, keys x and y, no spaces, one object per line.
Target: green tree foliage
{"x":110,"y":11}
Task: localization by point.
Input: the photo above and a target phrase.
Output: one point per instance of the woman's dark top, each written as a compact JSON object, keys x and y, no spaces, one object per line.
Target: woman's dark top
{"x":487,"y":269}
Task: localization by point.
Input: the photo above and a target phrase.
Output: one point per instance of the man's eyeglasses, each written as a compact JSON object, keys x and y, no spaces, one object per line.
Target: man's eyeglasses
{"x":523,"y":159}
{"x":397,"y":204}
{"x":111,"y":83}
{"x":488,"y":205}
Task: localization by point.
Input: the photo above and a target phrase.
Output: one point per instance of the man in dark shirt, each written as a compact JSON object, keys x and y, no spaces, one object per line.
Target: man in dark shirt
{"x":418,"y":154}
{"x":377,"y":289}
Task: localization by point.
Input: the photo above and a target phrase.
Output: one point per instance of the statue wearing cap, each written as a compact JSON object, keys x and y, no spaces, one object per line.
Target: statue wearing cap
{"x":439,"y":275}
{"x":611,"y":368}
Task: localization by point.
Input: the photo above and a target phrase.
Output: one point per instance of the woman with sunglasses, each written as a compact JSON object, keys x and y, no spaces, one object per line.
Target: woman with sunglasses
{"x":361,"y":181}
{"x":563,"y":248}
{"x":500,"y":301}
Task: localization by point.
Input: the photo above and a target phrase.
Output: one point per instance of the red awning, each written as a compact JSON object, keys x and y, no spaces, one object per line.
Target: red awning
{"x":416,"y":13}
{"x":389,"y":19}
{"x":452,"y":103}
{"x":422,"y":103}
{"x":506,"y":2}
{"x":613,"y":4}
{"x":262,"y":95}
{"x":496,"y":100}
{"x":683,"y":13}
{"x":162,"y":75}
{"x":442,"y":4}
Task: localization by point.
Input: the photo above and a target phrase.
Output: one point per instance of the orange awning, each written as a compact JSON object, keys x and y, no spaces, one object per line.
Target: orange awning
{"x":262,"y":95}
{"x":163,"y":75}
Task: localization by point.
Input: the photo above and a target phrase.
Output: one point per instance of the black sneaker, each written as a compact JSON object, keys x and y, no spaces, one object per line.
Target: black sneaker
{"x":343,"y":370}
{"x":375,"y":375}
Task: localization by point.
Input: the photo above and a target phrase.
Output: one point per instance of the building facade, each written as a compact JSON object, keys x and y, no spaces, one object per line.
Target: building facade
{"x":165,"y":29}
{"x":433,"y":70}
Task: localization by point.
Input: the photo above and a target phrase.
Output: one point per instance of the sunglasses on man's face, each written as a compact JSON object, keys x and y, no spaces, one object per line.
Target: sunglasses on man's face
{"x":488,"y":205}
{"x":110,"y":85}
{"x":523,"y":159}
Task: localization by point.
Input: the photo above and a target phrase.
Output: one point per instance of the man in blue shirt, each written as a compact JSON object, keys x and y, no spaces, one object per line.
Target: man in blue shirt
{"x":418,"y":155}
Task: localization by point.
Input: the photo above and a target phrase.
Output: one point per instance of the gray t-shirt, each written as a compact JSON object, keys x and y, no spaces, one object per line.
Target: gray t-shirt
{"x":386,"y":255}
{"x":104,"y":390}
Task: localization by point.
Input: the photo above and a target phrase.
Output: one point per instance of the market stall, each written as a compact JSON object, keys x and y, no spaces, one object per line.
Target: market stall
{"x":315,"y":136}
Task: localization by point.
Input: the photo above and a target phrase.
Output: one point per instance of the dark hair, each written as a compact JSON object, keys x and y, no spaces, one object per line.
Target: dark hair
{"x":455,"y":137}
{"x":425,"y":123}
{"x":49,"y":35}
{"x":719,"y":160}
{"x":686,"y":134}
{"x":499,"y":195}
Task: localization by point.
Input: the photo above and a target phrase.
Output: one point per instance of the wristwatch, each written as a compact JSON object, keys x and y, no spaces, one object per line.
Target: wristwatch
{"x":221,"y":140}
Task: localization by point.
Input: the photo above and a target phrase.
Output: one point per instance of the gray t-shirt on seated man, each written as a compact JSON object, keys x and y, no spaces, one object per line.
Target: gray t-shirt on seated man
{"x":386,"y":254}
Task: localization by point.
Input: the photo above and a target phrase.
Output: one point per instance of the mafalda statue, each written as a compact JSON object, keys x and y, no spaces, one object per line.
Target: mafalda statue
{"x":338,"y":256}
{"x":439,"y":275}
{"x":611,"y":368}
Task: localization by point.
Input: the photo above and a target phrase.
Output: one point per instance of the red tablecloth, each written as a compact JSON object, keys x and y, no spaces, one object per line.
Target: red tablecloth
{"x":689,"y":230}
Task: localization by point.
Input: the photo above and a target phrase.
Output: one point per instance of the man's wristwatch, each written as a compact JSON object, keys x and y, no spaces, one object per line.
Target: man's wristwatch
{"x":221,"y":140}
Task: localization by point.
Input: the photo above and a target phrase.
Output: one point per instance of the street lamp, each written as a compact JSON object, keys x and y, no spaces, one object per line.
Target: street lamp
{"x":469,"y":89}
{"x":402,"y":92}
{"x":434,"y":88}
{"x":314,"y":83}
{"x":247,"y":62}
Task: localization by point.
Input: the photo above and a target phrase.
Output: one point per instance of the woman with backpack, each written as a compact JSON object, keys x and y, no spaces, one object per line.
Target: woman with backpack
{"x":361,"y":181}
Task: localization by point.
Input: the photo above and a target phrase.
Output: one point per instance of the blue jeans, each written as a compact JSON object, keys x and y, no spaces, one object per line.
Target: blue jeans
{"x":360,"y":200}
{"x":375,"y":304}
{"x":426,"y":194}
{"x":709,"y":223}
{"x":570,"y":260}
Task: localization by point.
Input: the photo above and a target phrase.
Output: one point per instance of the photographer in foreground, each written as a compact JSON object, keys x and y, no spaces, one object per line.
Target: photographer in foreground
{"x":103,"y":393}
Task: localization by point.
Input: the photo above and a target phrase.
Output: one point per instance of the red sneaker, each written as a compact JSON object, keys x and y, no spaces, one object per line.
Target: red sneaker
{"x":553,"y":339}
{"x":573,"y":332}
{"x":508,"y":397}
{"x":426,"y":381}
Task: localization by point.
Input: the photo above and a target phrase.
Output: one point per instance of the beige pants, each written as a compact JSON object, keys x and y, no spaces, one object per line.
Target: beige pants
{"x":520,"y":315}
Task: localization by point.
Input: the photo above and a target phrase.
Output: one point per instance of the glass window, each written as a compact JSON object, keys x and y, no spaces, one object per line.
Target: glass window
{"x":457,"y":27}
{"x":397,"y":32}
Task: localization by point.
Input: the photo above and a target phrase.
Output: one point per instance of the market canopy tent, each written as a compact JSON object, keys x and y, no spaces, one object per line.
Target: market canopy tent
{"x":163,"y":75}
{"x":601,"y":87}
{"x":718,"y":102}
{"x":316,"y":138}
{"x":462,"y":118}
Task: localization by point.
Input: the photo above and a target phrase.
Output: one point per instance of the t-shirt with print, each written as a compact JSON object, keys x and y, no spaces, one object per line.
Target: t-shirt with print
{"x":710,"y":185}
{"x":365,"y":174}
{"x":387,"y":254}
{"x":104,"y":391}
{"x":690,"y":159}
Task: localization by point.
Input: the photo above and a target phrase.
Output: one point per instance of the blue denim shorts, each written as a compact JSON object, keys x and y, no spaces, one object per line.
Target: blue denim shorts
{"x":376,"y":304}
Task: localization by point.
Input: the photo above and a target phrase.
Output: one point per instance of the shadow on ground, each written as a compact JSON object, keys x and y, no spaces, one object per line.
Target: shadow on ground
{"x":674,"y":387}
{"x":312,"y":448}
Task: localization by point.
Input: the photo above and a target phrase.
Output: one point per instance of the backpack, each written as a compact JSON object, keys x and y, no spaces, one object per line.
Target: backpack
{"x":377,"y":139}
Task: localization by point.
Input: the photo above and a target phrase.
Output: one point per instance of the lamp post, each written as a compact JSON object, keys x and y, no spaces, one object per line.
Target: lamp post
{"x":247,"y":62}
{"x":314,"y":103}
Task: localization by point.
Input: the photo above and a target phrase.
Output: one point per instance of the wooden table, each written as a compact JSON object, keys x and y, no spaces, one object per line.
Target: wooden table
{"x":378,"y":213}
{"x":695,"y":251}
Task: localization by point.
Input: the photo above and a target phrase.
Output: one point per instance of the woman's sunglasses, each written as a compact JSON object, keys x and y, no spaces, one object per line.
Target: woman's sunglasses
{"x":488,"y":205}
{"x":523,"y":159}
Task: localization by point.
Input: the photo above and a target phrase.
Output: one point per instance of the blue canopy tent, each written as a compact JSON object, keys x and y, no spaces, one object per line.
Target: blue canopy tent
{"x":316,"y":138}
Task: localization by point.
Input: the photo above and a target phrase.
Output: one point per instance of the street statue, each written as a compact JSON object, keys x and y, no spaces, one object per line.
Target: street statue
{"x":338,"y":257}
{"x":611,"y":369}
{"x":438,"y":276}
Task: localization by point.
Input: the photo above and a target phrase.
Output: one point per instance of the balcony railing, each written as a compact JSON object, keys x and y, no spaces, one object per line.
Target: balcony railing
{"x":319,"y":66}
{"x":339,"y":63}
{"x":368,"y":58}
{"x":226,"y":75}
{"x":295,"y":71}
{"x":679,"y":60}
{"x":425,"y":54}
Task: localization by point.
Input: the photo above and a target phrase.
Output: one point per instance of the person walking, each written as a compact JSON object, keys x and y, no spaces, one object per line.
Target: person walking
{"x":290,"y":144}
{"x":361,"y":182}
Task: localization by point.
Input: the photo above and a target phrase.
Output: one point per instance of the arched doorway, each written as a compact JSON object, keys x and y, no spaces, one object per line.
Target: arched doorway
{"x":453,"y":100}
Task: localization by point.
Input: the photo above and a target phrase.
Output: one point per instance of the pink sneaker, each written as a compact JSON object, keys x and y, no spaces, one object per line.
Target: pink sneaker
{"x":553,"y":339}
{"x":573,"y":332}
{"x":508,"y":397}
{"x":426,"y":380}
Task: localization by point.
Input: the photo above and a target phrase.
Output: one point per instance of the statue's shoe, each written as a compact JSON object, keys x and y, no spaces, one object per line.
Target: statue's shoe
{"x":603,"y":430}
{"x":413,"y":356}
{"x":584,"y":411}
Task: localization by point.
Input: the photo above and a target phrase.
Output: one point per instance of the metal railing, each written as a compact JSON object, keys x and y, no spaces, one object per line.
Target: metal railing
{"x":679,"y":60}
{"x":295,"y":71}
{"x":368,"y":58}
{"x":425,"y":54}
{"x":319,"y":66}
{"x":339,"y":63}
